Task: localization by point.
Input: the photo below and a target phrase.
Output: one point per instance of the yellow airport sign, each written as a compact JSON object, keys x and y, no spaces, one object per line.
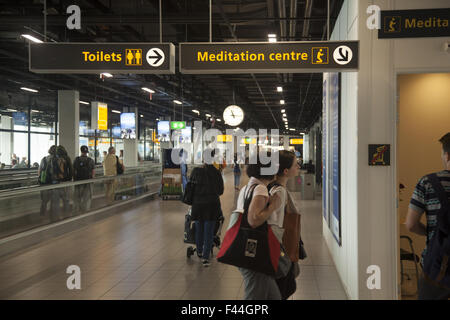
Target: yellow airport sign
{"x":102,"y":116}
{"x":224,"y":138}
{"x":296,"y":141}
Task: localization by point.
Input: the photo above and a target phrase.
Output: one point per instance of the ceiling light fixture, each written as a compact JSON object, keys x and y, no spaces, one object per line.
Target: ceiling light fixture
{"x":177,"y":102}
{"x":148,"y":90}
{"x":280,"y":89}
{"x":30,"y":37}
{"x":219,"y":120}
{"x":196,"y":111}
{"x":292,"y":129}
{"x":208,"y":115}
{"x":282,"y":101}
{"x":283,"y":110}
{"x":116,"y":111}
{"x":84,"y":102}
{"x":272,"y":37}
{"x":28,"y":89}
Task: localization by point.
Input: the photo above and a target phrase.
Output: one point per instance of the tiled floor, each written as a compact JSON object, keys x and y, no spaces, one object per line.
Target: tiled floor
{"x":140,"y":254}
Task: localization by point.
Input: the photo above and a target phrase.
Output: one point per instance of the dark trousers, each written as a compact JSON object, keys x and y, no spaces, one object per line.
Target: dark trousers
{"x":428,"y":291}
{"x":204,"y":237}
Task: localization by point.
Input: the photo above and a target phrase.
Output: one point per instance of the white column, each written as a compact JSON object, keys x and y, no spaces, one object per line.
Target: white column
{"x":6,"y":140}
{"x":69,"y":121}
{"x":130,"y":146}
{"x":286,"y":143}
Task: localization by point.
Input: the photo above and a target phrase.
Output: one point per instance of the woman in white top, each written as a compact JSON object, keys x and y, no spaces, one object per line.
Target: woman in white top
{"x":285,"y":220}
{"x":259,"y":286}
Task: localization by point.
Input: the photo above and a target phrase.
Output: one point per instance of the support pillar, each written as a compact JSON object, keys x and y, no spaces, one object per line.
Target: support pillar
{"x":69,"y":121}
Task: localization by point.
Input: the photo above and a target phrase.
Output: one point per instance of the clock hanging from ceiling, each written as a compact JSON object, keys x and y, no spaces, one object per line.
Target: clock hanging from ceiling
{"x":233,"y":115}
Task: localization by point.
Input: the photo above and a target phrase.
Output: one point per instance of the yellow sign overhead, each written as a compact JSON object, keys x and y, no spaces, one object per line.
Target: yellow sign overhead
{"x":225,"y":138}
{"x":249,"y":140}
{"x":102,"y":116}
{"x":296,"y":141}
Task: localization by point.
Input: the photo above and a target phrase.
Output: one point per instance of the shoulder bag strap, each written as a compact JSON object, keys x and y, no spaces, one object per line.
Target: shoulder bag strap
{"x":444,"y":213}
{"x":248,"y":196}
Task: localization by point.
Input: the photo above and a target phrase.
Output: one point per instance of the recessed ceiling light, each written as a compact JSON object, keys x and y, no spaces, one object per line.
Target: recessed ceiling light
{"x":280,"y":89}
{"x":28,"y":89}
{"x":142,"y":115}
{"x":196,"y":111}
{"x":30,"y":37}
{"x":283,"y":110}
{"x":292,"y":129}
{"x":148,"y":90}
{"x":208,"y":115}
{"x":116,"y":111}
{"x":281,"y":101}
{"x":219,"y":120}
{"x":84,"y":102}
{"x":177,"y":102}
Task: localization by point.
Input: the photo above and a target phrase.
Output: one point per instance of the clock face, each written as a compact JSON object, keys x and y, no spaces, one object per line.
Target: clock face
{"x":233,"y":115}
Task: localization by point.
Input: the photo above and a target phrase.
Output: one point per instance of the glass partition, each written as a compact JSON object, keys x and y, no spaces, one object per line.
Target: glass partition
{"x":23,"y":210}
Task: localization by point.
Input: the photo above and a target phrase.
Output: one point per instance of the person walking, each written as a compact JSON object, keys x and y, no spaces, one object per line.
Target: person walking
{"x":257,"y":285}
{"x":65,"y":174}
{"x":110,"y":164}
{"x":432,"y":197}
{"x":83,"y":169}
{"x":47,"y":175}
{"x":237,"y":173}
{"x":206,"y":209}
{"x":285,"y":220}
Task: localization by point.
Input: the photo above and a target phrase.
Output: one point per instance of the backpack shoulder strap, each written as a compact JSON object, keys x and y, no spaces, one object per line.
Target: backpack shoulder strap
{"x":444,"y":213}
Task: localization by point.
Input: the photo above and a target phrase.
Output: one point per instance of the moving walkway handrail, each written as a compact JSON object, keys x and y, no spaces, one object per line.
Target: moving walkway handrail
{"x":33,"y":178}
{"x":15,"y":192}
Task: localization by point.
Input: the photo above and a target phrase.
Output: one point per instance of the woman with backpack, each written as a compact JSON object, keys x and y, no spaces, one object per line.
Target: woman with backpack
{"x":206,"y":208}
{"x":65,"y":174}
{"x":287,"y":219}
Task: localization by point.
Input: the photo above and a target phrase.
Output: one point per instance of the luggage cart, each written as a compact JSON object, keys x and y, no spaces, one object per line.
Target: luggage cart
{"x":171,"y":180}
{"x":189,"y":234}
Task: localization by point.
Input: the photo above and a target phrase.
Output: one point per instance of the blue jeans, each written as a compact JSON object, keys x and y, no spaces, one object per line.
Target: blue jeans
{"x":237,"y":179}
{"x":204,"y":235}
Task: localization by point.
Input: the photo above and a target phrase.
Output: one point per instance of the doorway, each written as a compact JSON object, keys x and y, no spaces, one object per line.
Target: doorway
{"x":423,"y":118}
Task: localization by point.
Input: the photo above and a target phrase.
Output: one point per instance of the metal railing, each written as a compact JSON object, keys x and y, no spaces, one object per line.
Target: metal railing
{"x":28,"y":208}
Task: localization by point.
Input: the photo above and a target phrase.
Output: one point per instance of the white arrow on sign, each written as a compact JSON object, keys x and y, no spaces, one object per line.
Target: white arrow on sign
{"x":155,"y":57}
{"x":343,"y":55}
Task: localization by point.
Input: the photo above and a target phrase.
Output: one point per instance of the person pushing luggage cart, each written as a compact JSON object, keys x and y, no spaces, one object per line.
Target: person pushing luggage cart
{"x":206,"y":187}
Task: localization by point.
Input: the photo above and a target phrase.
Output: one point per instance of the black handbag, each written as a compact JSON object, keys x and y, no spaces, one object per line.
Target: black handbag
{"x":188,"y":193}
{"x":119,"y":166}
{"x":301,"y":251}
{"x":287,"y":285}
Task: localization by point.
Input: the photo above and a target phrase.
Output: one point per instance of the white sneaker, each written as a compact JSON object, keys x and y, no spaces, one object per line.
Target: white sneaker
{"x":206,"y":263}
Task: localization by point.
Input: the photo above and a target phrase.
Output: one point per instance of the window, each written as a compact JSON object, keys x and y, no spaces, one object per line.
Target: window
{"x":14,"y":150}
{"x":40,"y":143}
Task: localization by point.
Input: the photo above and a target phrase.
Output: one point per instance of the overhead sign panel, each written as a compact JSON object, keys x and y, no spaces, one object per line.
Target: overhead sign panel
{"x":68,"y":57}
{"x":414,"y":23}
{"x":265,"y":57}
